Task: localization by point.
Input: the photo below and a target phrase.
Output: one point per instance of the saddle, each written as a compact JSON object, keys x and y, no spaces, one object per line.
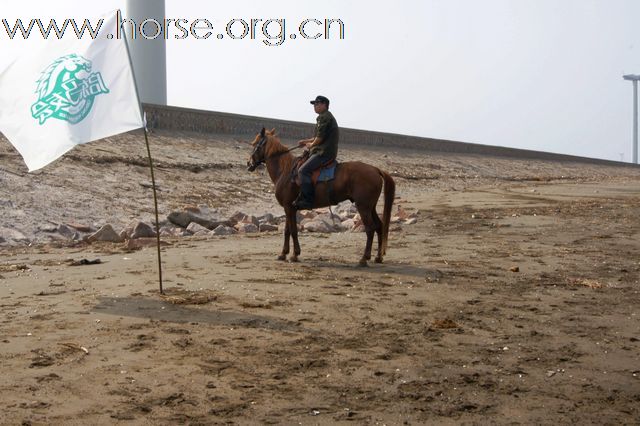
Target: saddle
{"x":324,"y":173}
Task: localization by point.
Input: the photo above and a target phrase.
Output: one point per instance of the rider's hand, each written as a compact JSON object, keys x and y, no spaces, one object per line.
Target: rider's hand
{"x":302,"y":143}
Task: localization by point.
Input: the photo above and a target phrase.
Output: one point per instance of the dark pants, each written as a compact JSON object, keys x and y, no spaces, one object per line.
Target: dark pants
{"x":314,"y":162}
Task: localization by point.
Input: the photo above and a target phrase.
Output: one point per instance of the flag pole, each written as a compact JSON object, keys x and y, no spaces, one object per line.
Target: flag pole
{"x":146,"y":139}
{"x":155,"y":205}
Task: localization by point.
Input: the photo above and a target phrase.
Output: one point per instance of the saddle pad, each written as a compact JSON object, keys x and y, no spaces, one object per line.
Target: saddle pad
{"x":328,"y":173}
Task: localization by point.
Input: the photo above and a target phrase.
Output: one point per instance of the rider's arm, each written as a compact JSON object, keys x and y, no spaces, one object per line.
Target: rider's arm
{"x":305,"y":141}
{"x":315,"y":141}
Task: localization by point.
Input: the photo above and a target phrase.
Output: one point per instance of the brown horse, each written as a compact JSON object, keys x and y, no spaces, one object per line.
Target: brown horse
{"x":359,"y":182}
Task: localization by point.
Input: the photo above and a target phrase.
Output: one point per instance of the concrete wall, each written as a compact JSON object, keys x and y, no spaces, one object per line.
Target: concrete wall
{"x":246,"y":127}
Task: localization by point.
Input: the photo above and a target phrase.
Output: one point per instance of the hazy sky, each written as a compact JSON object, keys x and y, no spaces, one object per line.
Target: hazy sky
{"x":534,"y":74}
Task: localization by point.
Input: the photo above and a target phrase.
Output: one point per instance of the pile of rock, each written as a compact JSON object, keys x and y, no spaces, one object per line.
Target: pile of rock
{"x":205,"y":222}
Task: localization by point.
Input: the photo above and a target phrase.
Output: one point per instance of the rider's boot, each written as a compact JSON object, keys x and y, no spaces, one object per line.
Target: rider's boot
{"x":305,"y":198}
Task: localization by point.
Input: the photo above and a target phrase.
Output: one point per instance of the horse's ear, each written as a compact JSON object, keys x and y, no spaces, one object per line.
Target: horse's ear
{"x":273,"y":131}
{"x":262,"y":132}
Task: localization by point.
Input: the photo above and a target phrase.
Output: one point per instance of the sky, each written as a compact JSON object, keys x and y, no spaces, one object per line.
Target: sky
{"x":534,"y":74}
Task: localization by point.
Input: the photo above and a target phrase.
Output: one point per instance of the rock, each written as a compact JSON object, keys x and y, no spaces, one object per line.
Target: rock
{"x":49,"y":228}
{"x":307,"y":214}
{"x":68,"y":232}
{"x":171,"y":231}
{"x":196,"y":228}
{"x":143,"y":230}
{"x":331,"y":217}
{"x":411,"y":221}
{"x":182,"y":219}
{"x":246,"y":228}
{"x":515,"y":269}
{"x":251,"y":219}
{"x":395,"y":219}
{"x":348,"y":224}
{"x":358,"y":228}
{"x":267,"y":218}
{"x":324,"y":222}
{"x":267,"y":227}
{"x":185,"y":218}
{"x":137,"y":229}
{"x":223,"y":230}
{"x":105,"y":234}
{"x":79,"y":227}
{"x":345,"y":210}
{"x":10,"y":234}
{"x":317,"y":226}
{"x":236,"y":217}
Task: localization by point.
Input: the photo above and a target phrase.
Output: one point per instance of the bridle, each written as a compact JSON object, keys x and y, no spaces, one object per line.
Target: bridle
{"x":260,"y":145}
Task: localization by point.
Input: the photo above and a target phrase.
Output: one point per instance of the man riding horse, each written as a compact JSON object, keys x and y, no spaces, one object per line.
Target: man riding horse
{"x":323,"y":148}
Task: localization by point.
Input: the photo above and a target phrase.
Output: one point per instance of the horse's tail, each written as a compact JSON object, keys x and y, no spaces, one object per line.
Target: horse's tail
{"x":389,"y":196}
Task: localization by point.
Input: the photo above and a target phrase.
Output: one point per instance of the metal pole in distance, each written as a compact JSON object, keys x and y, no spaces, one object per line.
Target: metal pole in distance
{"x":155,"y":205}
{"x":635,"y":121}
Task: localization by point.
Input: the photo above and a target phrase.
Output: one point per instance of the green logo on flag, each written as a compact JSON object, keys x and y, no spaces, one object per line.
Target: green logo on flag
{"x":66,"y":90}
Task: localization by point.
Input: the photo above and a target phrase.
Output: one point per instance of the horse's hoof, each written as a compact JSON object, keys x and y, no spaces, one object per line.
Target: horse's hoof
{"x":363,"y":263}
{"x":378,"y":260}
{"x":293,"y":259}
{"x":282,"y":257}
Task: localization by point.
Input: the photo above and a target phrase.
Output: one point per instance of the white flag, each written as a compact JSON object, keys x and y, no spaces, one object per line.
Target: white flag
{"x":69,"y":93}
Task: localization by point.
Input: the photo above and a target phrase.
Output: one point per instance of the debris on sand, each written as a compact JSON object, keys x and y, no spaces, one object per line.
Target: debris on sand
{"x":445,"y":324}
{"x":14,"y":268}
{"x":83,"y":262}
{"x":178,"y":296}
{"x":585,"y":282}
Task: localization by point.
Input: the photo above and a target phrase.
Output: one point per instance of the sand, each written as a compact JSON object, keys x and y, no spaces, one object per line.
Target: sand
{"x":513,"y":299}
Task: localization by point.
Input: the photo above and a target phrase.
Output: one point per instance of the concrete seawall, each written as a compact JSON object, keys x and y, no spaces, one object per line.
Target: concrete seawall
{"x":245,"y":126}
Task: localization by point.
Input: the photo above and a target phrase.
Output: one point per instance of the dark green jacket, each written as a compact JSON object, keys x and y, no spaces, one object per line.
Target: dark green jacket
{"x":327,"y":130}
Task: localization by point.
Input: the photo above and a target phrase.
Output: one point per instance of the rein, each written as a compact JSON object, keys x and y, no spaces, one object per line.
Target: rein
{"x":277,"y":154}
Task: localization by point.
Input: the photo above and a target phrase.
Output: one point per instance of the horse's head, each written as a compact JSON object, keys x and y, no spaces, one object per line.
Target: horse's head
{"x":61,"y":70}
{"x":259,"y":144}
{"x":74,"y":63}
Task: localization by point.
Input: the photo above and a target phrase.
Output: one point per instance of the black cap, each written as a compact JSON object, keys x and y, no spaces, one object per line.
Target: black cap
{"x":320,"y":100}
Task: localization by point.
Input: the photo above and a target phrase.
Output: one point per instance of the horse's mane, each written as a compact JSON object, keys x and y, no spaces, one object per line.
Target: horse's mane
{"x":275,"y":148}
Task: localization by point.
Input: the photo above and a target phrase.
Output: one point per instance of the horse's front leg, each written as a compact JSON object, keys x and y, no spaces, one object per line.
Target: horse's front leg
{"x":287,"y":234}
{"x":293,"y":229}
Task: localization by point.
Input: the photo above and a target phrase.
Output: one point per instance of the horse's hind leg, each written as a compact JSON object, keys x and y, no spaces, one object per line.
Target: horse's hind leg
{"x":285,"y":247}
{"x":369,"y":226}
{"x":378,"y":228}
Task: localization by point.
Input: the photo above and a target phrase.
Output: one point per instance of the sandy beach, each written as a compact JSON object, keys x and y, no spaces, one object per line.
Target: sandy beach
{"x":514,"y":299}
